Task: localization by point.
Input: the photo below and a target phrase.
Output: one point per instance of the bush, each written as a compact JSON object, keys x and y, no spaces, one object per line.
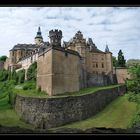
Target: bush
{"x":3,"y":75}
{"x":132,"y":97}
{"x":39,"y":89}
{"x":29,"y":86}
{"x":20,"y":76}
{"x":136,"y":119}
{"x":32,"y":72}
{"x":12,"y":98}
{"x":3,"y":58}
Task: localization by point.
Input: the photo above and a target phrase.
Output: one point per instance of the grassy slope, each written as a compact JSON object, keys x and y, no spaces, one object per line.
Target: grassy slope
{"x":7,"y":114}
{"x":8,"y":117}
{"x":33,"y":92}
{"x":117,"y":114}
{"x":86,"y":91}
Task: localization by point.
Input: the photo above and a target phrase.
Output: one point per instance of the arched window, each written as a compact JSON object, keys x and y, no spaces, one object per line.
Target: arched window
{"x":102,"y":65}
{"x":96,"y":65}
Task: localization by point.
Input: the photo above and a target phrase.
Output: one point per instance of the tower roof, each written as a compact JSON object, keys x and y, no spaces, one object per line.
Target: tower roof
{"x":39,"y":34}
{"x":107,"y":49}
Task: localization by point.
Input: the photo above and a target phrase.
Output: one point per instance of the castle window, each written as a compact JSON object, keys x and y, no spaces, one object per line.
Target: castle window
{"x":96,"y":65}
{"x":66,"y":54}
{"x":102,"y":65}
{"x":31,"y":59}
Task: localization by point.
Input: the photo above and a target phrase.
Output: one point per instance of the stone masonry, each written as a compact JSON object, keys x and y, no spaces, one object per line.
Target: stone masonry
{"x":56,"y":111}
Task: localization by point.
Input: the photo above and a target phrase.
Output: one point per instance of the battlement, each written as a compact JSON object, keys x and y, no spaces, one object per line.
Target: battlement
{"x":55,"y":37}
{"x":55,"y":33}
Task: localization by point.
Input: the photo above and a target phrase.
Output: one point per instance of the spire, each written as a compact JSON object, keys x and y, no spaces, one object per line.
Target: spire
{"x":106,"y":49}
{"x":39,"y":34}
{"x":39,"y":30}
{"x":38,"y":38}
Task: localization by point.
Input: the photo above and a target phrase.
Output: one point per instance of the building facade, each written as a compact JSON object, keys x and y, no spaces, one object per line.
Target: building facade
{"x":65,"y":67}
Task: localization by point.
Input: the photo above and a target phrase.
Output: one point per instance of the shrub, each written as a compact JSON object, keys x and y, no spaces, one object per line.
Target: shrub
{"x":136,"y":119}
{"x":32,"y":72}
{"x":20,"y":76}
{"x":3,"y":58}
{"x":12,"y":98}
{"x":29,"y":86}
{"x":39,"y":89}
{"x":3,"y":75}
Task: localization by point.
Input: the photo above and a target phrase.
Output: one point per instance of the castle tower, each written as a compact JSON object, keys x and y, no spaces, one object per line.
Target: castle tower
{"x":55,"y":37}
{"x":108,"y":59}
{"x":38,"y":38}
{"x":106,"y":49}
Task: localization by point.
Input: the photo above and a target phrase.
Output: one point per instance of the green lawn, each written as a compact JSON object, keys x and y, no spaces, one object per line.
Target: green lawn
{"x":30,"y":93}
{"x":86,"y":91}
{"x":34,"y":93}
{"x":7,"y":115}
{"x":118,"y":114}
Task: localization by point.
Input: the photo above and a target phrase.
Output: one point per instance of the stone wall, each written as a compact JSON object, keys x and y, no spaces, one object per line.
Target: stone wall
{"x":121,"y":74}
{"x":99,"y":79}
{"x":44,"y":71}
{"x":66,"y":72}
{"x":57,"y":111}
{"x":58,"y":71}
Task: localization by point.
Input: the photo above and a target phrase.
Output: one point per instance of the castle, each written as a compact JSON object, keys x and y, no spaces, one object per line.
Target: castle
{"x":66,"y":67}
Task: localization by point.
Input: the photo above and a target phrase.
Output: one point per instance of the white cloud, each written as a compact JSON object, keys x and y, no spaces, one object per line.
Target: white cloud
{"x":118,"y":26}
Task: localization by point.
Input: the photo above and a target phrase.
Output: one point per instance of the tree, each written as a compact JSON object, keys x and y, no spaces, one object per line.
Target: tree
{"x":20,"y":76}
{"x":32,"y":72}
{"x":121,"y":60}
{"x":115,"y":62}
{"x":132,"y":62}
{"x":3,"y":75}
{"x":3,"y":58}
{"x":135,"y":82}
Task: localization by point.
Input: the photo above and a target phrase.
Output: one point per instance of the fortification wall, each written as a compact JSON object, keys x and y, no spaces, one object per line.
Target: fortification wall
{"x":121,"y":74}
{"x":66,"y":72}
{"x":57,"y":111}
{"x":58,"y":71}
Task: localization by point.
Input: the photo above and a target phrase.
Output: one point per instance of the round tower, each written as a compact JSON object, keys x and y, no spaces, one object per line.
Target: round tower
{"x":38,"y":38}
{"x":55,"y":37}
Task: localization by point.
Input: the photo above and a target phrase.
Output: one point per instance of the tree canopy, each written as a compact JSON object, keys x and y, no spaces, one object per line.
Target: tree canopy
{"x":32,"y":72}
{"x":121,"y":60}
{"x":3,"y":58}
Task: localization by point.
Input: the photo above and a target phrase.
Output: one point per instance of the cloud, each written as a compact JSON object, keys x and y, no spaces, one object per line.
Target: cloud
{"x":118,"y":26}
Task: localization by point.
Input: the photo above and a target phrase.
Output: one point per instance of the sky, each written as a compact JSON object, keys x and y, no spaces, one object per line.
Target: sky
{"x":119,"y":27}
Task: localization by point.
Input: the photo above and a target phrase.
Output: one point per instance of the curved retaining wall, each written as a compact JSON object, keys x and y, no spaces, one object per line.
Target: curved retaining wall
{"x":51,"y":112}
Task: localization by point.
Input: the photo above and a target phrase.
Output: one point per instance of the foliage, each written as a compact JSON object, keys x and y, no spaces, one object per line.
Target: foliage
{"x":29,"y":85}
{"x":12,"y":98}
{"x":3,"y":58}
{"x":134,"y":91}
{"x":121,"y":60}
{"x":20,"y":76}
{"x":87,"y":90}
{"x":39,"y":89}
{"x":3,"y":75}
{"x":132,"y":62}
{"x":115,"y":62}
{"x":136,"y":119}
{"x":134,"y":84}
{"x":32,"y":72}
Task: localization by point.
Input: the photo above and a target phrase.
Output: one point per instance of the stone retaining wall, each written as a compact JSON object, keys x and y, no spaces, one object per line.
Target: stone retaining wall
{"x":57,"y":111}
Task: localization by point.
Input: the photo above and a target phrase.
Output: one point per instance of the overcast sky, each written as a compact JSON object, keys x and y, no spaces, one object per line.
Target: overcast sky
{"x":119,"y":27}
